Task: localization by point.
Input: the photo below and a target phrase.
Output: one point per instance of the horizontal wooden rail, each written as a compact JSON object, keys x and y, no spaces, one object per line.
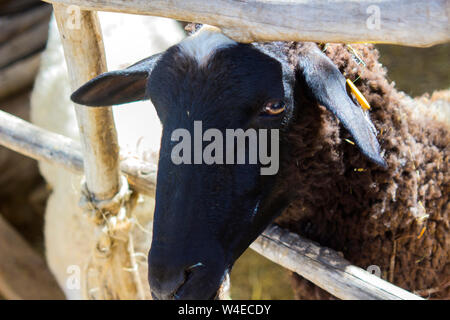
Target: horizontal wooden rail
{"x":39,"y":144}
{"x":325,"y":267}
{"x":404,"y":22}
{"x":322,"y":266}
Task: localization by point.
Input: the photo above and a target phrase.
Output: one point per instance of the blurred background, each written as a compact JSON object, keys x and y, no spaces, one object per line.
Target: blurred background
{"x":23,"y":193}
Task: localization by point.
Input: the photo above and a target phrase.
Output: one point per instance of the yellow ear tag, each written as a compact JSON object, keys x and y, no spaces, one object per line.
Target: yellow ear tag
{"x":362,"y":101}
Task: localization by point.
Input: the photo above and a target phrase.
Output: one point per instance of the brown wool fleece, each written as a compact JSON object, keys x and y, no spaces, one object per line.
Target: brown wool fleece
{"x":397,"y":218}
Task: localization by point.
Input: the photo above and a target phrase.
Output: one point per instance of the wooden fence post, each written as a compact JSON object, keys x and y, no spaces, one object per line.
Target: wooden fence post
{"x":105,"y":193}
{"x":83,"y":49}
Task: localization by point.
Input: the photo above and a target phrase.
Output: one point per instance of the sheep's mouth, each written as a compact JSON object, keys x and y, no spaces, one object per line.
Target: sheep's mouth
{"x":177,"y":295}
{"x":218,"y":294}
{"x":184,"y":291}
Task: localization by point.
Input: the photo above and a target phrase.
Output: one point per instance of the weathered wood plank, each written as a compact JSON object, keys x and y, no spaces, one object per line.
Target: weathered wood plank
{"x":325,"y":267}
{"x":34,"y":142}
{"x":23,"y":273}
{"x":85,"y":58}
{"x":405,"y":22}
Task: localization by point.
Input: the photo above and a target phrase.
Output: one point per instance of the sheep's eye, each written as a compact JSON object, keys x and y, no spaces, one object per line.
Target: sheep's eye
{"x":274,"y":108}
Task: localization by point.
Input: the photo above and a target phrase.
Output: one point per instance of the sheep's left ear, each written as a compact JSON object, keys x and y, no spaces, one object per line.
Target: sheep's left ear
{"x":117,"y":87}
{"x":327,"y":85}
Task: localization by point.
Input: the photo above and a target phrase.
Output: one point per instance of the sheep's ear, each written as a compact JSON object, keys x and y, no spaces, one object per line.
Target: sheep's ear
{"x":117,"y":87}
{"x":327,"y":85}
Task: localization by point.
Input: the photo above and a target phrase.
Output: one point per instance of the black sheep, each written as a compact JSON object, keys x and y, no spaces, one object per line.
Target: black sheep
{"x":344,"y":197}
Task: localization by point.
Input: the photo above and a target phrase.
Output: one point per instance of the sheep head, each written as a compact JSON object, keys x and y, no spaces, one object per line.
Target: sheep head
{"x":208,"y":211}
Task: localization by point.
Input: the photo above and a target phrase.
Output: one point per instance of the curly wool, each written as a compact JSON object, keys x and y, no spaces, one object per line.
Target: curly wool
{"x":397,"y":218}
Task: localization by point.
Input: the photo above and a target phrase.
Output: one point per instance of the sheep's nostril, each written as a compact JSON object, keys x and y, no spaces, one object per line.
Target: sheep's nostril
{"x":198,"y":264}
{"x":188,"y":272}
{"x":166,"y":285}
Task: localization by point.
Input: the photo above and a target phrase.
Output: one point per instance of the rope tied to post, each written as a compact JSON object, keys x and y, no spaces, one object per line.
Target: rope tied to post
{"x":112,"y":267}
{"x":101,"y":211}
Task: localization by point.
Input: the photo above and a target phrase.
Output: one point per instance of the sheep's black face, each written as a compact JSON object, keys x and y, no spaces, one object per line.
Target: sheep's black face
{"x":207,"y":214}
{"x":214,"y":196}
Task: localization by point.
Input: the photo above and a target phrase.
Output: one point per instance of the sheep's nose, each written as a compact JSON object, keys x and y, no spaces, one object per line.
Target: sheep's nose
{"x":181,"y":274}
{"x":166,"y":280}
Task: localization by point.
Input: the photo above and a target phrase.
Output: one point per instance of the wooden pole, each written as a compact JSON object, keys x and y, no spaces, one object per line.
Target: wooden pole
{"x":325,"y":267}
{"x":85,"y":57}
{"x":322,"y":266}
{"x":84,"y":52}
{"x":405,"y":22}
{"x":23,"y":273}
{"x":42,"y":145}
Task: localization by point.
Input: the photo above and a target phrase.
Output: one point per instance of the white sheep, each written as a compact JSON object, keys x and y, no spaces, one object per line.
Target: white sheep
{"x":70,"y":237}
